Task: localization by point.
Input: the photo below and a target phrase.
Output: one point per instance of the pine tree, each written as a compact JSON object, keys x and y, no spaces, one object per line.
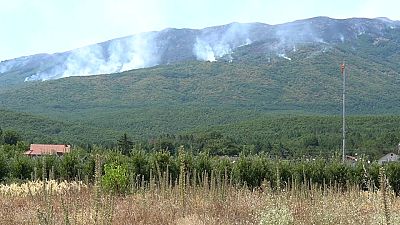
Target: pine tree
{"x":11,"y":137}
{"x":124,"y":144}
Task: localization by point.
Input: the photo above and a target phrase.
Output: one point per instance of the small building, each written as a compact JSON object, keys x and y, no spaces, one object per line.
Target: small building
{"x":47,"y":149}
{"x":390,"y":157}
{"x":351,"y":158}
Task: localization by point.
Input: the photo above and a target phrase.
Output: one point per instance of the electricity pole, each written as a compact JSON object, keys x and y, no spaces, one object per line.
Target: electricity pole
{"x":343,"y":70}
{"x":398,"y":150}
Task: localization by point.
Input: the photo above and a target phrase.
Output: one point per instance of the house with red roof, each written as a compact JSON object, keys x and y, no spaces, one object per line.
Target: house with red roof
{"x":47,"y":149}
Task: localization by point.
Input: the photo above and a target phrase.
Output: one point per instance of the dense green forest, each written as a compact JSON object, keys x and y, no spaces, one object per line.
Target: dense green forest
{"x":283,"y":136}
{"x":40,"y":129}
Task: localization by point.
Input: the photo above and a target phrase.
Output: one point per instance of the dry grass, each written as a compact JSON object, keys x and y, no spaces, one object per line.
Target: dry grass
{"x":36,"y":187}
{"x":203,"y":204}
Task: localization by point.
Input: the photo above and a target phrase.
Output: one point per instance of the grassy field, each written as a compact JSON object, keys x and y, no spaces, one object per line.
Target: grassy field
{"x":207,"y":202}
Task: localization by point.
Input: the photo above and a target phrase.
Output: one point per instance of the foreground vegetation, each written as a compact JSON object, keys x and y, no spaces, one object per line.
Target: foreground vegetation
{"x":160,"y":182}
{"x":213,"y":201}
{"x":247,"y":169}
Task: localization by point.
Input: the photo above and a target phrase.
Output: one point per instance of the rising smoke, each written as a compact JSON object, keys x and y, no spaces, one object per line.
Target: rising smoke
{"x":211,"y":45}
{"x":6,"y":66}
{"x":284,"y":56}
{"x":119,"y":55}
{"x":204,"y":51}
{"x":289,"y":35}
{"x":140,"y":51}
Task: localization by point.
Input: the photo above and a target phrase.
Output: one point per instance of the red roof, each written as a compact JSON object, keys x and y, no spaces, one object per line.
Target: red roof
{"x":351,"y":158}
{"x":42,"y":149}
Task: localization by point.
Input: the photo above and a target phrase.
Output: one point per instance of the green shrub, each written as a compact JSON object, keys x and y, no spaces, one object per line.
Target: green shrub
{"x":21,"y":167}
{"x":115,"y":178}
{"x":139,"y":163}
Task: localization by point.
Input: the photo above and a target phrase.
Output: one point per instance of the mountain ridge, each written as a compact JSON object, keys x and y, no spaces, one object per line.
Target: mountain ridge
{"x":179,"y":45}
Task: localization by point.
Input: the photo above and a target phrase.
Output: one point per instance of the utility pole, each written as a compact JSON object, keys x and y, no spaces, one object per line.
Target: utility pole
{"x":398,"y":150}
{"x":343,"y":70}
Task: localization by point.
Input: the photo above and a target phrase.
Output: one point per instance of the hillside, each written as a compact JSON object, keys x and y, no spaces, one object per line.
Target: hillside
{"x":39,"y":129}
{"x":295,"y":72}
{"x":171,"y":46}
{"x":309,"y":82}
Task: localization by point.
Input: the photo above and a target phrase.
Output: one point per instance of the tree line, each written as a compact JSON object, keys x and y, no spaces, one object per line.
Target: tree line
{"x":138,"y":165}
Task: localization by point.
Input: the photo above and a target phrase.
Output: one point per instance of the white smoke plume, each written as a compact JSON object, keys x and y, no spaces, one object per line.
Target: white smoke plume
{"x":123,"y":54}
{"x":341,"y":38}
{"x":288,"y":35}
{"x":211,"y":45}
{"x":282,"y":55}
{"x":203,"y":51}
{"x":5,"y":66}
{"x":8,"y":65}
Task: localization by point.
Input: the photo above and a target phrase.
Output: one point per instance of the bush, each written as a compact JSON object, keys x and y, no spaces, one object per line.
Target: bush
{"x":115,"y":178}
{"x":21,"y":168}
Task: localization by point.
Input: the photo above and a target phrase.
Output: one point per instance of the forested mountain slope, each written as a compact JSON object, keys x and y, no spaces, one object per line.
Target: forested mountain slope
{"x":287,"y":69}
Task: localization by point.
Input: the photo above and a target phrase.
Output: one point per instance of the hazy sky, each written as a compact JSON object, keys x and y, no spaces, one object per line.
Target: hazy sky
{"x":37,"y":26}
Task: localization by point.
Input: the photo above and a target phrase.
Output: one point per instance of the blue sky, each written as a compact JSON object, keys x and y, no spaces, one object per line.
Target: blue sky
{"x":48,"y":26}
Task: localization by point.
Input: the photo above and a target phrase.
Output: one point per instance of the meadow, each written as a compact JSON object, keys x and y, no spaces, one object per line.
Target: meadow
{"x":209,"y":202}
{"x":115,"y":195}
